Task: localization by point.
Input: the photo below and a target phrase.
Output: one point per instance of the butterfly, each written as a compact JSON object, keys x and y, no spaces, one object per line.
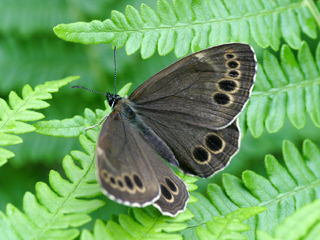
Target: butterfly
{"x":186,"y":114}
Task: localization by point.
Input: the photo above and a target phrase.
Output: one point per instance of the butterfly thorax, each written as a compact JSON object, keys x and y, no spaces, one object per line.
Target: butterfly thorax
{"x":128,"y":113}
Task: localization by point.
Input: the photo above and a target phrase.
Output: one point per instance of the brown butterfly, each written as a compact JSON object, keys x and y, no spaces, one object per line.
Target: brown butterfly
{"x":186,"y":114}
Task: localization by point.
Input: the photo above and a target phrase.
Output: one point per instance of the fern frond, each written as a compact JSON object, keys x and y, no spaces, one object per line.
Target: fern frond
{"x":287,"y":190}
{"x":230,"y":226}
{"x":290,"y":89}
{"x":14,"y":117}
{"x":56,"y":211}
{"x":294,"y":229}
{"x":75,"y":126}
{"x":146,"y":223}
{"x":204,"y":23}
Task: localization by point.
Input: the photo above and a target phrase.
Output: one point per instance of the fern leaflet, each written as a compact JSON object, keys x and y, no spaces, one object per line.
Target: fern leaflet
{"x":294,"y":229}
{"x":229,"y":227}
{"x":75,"y":126}
{"x":14,"y":117}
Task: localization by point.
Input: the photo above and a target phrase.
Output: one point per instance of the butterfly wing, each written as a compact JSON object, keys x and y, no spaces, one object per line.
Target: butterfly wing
{"x":174,"y":195}
{"x":200,"y":151}
{"x":208,"y":88}
{"x":131,"y":173}
{"x":123,"y":164}
{"x":192,"y":105}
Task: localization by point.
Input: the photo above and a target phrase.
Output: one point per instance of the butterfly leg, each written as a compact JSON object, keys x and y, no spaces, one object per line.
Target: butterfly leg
{"x":97,"y":123}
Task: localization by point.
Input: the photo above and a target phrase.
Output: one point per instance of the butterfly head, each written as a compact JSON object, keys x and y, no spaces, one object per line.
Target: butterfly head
{"x":112,"y":99}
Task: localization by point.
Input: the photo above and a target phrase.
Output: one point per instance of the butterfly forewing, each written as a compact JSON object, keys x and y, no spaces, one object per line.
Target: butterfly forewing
{"x":124,"y":164}
{"x":129,"y":170}
{"x":208,"y":88}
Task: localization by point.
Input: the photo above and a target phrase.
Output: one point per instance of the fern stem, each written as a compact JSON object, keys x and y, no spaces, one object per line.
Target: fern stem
{"x":287,"y":88}
{"x":314,"y":10}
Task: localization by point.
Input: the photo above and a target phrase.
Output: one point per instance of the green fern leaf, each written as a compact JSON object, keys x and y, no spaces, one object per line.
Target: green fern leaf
{"x":100,"y":232}
{"x":147,"y":223}
{"x":204,"y":23}
{"x":290,"y":88}
{"x":54,"y":213}
{"x":75,"y":126}
{"x":230,"y":226}
{"x":293,"y":228}
{"x":13,"y":117}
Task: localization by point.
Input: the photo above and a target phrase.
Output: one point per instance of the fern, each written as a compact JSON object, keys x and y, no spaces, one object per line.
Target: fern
{"x":293,"y":228}
{"x":146,"y":224}
{"x":290,"y":88}
{"x":203,"y":24}
{"x":287,"y":190}
{"x":230,"y":226}
{"x":55,"y":213}
{"x":14,"y":118}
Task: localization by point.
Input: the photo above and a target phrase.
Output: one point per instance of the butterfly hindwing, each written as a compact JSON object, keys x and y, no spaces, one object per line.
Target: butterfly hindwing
{"x":174,"y":195}
{"x":200,"y":151}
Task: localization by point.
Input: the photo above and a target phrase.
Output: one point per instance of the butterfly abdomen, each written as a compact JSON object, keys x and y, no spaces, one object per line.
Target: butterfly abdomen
{"x":158,"y":145}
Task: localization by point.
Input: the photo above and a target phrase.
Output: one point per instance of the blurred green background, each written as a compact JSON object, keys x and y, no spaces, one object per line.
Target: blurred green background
{"x":30,"y":53}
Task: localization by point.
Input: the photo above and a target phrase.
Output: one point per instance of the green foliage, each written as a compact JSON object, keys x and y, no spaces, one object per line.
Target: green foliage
{"x":199,"y":25}
{"x":145,"y":223}
{"x":14,"y":117}
{"x":290,"y":88}
{"x":75,"y":126}
{"x":56,"y":211}
{"x":228,"y":227}
{"x":293,"y":228}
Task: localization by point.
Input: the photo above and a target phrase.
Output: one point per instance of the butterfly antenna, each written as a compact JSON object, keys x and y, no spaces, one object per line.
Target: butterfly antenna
{"x":115,"y":71}
{"x":89,"y":90}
